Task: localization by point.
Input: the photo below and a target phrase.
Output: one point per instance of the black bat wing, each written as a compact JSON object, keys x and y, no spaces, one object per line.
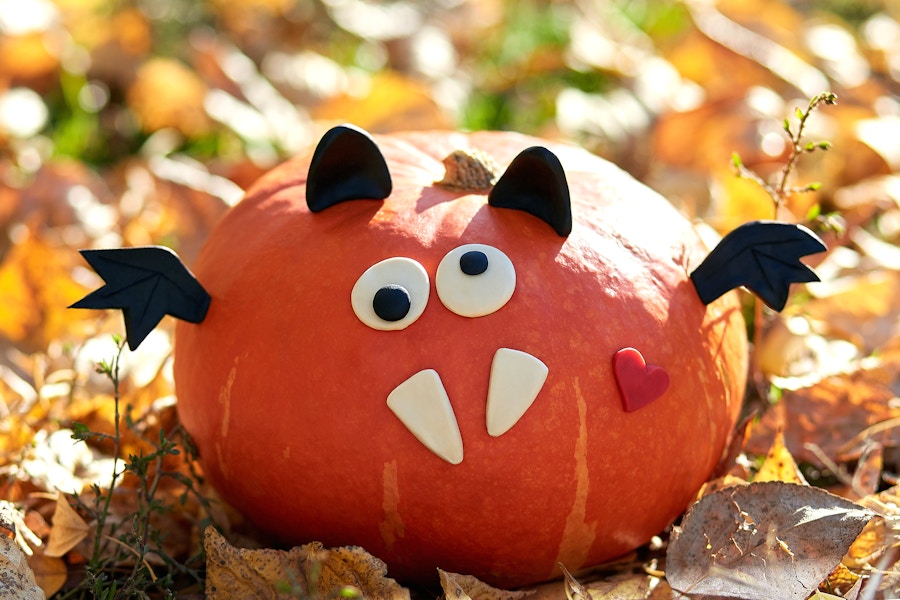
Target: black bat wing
{"x":764,"y":257}
{"x":146,"y":283}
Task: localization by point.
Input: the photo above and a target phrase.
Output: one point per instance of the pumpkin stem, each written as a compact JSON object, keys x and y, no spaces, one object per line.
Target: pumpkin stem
{"x":469,"y":170}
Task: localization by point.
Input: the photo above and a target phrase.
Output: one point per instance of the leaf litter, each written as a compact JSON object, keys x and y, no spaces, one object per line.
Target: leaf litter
{"x":117,"y":166}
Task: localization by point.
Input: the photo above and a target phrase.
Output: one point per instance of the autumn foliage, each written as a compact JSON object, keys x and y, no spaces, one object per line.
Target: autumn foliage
{"x":125,"y":124}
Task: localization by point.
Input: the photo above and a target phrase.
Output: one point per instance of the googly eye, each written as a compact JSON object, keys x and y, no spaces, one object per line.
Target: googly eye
{"x":391,"y":294}
{"x":474,"y":280}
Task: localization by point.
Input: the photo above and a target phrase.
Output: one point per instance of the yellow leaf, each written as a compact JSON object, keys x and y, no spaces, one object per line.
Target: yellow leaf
{"x":393,"y":102}
{"x":68,"y":529}
{"x":36,"y":286}
{"x":840,"y":580}
{"x":737,"y":201}
{"x":780,"y":464}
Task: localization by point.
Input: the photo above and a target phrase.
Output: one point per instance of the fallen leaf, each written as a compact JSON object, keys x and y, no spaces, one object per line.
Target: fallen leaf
{"x":870,"y":545}
{"x":17,"y":578}
{"x":36,"y":286}
{"x":467,"y":587}
{"x":50,"y":572}
{"x":836,"y":417}
{"x":67,"y":529}
{"x":245,"y":574}
{"x":840,"y":580}
{"x":860,"y":309}
{"x":779,"y":465}
{"x":353,"y":567}
{"x":762,"y":541}
{"x":574,"y":589}
{"x":635,"y":586}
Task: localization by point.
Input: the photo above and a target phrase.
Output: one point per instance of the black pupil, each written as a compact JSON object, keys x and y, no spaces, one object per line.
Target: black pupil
{"x":391,"y":302}
{"x":473,"y":262}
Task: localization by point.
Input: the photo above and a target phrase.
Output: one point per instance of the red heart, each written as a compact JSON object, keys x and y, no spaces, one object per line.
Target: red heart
{"x":639,"y":383}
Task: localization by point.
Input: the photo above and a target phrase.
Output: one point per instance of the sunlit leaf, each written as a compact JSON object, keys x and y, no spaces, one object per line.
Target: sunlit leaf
{"x":467,"y":587}
{"x":762,"y":541}
{"x":68,"y":529}
{"x":17,"y":577}
{"x":238,"y":573}
{"x":392,"y":102}
{"x":779,"y":465}
{"x":36,"y":286}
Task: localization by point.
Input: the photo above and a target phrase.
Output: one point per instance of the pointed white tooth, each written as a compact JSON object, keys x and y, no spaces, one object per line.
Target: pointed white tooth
{"x":516,"y":379}
{"x":421,"y":403}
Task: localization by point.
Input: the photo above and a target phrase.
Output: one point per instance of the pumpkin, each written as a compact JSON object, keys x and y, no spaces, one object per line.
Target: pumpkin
{"x":534,"y":386}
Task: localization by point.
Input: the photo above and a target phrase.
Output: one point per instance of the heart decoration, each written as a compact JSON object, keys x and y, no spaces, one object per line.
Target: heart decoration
{"x":639,"y":383}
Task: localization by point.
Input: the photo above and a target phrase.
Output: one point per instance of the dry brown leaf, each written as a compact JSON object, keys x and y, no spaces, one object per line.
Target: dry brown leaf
{"x":720,"y":483}
{"x":244,"y":574}
{"x":635,"y":586}
{"x":355,"y":568}
{"x":762,"y":541}
{"x":861,"y":309}
{"x":467,"y":587}
{"x":17,"y":579}
{"x":574,"y":589}
{"x":836,"y":417}
{"x":50,"y":572}
{"x":779,"y":465}
{"x":632,"y":586}
{"x":67,"y":529}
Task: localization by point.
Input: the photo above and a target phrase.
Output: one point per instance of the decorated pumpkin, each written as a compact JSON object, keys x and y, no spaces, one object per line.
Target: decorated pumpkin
{"x":480,"y":352}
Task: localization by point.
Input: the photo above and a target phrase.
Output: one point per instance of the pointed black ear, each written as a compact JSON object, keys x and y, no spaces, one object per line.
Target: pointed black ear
{"x":347,"y":165}
{"x":536,"y":183}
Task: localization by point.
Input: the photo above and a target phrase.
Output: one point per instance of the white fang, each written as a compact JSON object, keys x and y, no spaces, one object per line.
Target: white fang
{"x":516,"y":379}
{"x":421,"y":403}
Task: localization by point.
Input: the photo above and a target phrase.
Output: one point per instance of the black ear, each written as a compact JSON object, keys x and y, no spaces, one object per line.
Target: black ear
{"x":347,"y":165}
{"x":536,"y":183}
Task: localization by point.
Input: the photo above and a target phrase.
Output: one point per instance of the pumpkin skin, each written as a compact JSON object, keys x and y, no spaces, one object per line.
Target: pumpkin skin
{"x":284,"y":389}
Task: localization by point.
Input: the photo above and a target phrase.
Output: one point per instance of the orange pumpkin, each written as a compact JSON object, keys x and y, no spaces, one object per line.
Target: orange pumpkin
{"x":291,"y":391}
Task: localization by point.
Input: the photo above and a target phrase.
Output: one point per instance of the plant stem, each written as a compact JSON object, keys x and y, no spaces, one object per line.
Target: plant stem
{"x":113,"y":373}
{"x":781,"y":190}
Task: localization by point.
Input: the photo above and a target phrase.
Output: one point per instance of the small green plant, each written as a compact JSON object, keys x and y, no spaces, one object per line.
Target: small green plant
{"x":119,"y":566}
{"x":780,"y":188}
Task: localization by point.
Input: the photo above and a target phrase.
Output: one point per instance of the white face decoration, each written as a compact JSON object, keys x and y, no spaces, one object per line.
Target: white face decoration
{"x":472,"y":280}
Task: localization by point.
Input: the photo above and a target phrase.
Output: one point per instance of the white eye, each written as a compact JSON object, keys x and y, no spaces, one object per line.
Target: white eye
{"x":475,"y":280}
{"x":391,"y":294}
